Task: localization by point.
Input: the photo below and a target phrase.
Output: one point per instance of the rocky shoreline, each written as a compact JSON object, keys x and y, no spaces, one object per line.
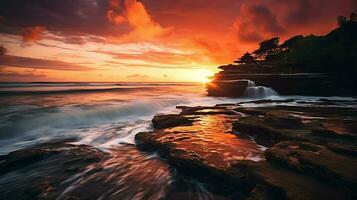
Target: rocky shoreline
{"x":311,"y":152}
{"x":275,"y":149}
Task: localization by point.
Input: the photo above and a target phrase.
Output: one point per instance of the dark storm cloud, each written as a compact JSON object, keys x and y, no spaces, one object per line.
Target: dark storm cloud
{"x":300,"y":12}
{"x":81,"y":21}
{"x":259,"y":20}
{"x":72,"y":17}
{"x":256,"y":21}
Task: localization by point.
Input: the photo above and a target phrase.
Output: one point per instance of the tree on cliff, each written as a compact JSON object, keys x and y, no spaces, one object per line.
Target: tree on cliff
{"x":290,"y":43}
{"x":341,"y":21}
{"x":247,"y":58}
{"x":333,"y":53}
{"x":353,"y":16}
{"x":267,"y":47}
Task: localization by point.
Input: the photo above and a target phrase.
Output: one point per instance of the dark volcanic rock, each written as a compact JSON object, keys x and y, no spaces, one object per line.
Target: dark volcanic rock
{"x":205,"y":110}
{"x":276,"y":182}
{"x":204,"y":150}
{"x":250,"y":111}
{"x":42,"y":170}
{"x":165,"y":121}
{"x":272,"y":125}
{"x":316,"y":160}
{"x":231,"y":88}
{"x":312,"y":152}
{"x":270,"y":130}
{"x":343,"y":148}
{"x":208,"y":140}
{"x":261,"y":101}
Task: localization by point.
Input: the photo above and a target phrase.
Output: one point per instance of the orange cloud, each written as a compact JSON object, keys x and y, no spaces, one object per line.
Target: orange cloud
{"x":114,"y":4}
{"x":32,"y":34}
{"x":115,"y":18}
{"x":3,"y":50}
{"x":138,"y":76}
{"x":143,"y":27}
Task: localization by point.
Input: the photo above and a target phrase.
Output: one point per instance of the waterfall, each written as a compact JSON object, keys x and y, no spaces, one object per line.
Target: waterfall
{"x":258,"y":92}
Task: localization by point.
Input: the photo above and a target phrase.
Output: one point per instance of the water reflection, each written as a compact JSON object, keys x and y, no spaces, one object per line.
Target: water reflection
{"x":212,"y":140}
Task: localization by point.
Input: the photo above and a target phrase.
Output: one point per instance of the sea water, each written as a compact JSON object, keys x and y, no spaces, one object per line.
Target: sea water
{"x":106,"y":116}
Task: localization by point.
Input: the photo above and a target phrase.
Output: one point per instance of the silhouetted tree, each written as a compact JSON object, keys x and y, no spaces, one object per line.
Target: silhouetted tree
{"x":247,"y":58}
{"x":353,"y":16}
{"x":341,"y":20}
{"x":266,"y":47}
{"x":289,"y":43}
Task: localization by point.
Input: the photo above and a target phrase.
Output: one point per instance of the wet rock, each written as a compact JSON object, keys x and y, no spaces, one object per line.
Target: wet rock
{"x":277,"y":124}
{"x":208,"y":140}
{"x":276,"y":182}
{"x":343,"y":148}
{"x":186,"y":110}
{"x":41,"y":170}
{"x":263,"y":192}
{"x":261,"y":101}
{"x":165,"y":121}
{"x":326,"y":132}
{"x":204,"y":150}
{"x":205,"y":110}
{"x":312,"y":152}
{"x":250,"y":111}
{"x":270,"y":130}
{"x":315,"y":160}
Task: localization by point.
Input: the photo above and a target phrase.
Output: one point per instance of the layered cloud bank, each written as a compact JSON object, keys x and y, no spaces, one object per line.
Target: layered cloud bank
{"x":116,"y":39}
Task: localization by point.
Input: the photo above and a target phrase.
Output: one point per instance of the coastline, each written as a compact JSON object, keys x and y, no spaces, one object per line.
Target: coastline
{"x":308,"y":152}
{"x":255,"y":149}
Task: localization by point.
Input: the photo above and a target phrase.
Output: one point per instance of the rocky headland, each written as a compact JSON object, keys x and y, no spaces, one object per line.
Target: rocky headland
{"x":302,"y":65}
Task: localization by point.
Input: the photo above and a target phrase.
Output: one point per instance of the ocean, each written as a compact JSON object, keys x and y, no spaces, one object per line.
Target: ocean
{"x":106,"y":116}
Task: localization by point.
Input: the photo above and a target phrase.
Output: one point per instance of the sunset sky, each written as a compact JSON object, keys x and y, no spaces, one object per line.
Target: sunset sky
{"x":146,"y":40}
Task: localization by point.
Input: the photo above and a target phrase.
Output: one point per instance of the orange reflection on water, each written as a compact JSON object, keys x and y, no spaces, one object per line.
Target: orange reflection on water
{"x":211,"y":139}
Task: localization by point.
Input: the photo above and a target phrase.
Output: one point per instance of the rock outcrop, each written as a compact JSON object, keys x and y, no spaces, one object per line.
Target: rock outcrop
{"x":307,"y":156}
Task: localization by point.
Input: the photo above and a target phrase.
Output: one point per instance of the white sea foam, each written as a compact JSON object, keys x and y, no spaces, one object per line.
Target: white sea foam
{"x":257,"y":92}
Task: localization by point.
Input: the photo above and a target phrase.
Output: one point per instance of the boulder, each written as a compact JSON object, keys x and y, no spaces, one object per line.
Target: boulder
{"x":166,"y":121}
